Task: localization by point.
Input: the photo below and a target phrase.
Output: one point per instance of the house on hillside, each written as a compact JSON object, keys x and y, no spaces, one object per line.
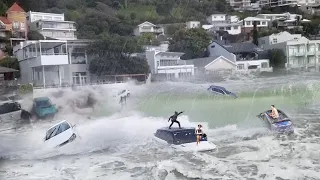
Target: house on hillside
{"x":301,"y":53}
{"x":13,"y":26}
{"x":193,"y":24}
{"x":53,"y":62}
{"x":148,"y":27}
{"x":266,"y":42}
{"x":248,"y":23}
{"x":51,"y":25}
{"x":217,"y":65}
{"x":247,"y":56}
{"x":168,"y":65}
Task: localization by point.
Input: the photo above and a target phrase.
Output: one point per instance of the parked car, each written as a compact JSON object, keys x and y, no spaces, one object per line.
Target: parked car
{"x":43,"y":107}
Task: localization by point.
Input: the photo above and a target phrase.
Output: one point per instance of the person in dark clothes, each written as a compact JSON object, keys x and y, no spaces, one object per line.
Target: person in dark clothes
{"x":173,"y":119}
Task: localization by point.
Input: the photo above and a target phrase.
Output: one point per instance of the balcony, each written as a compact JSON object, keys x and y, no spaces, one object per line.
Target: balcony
{"x":53,"y":59}
{"x":300,"y":53}
{"x":311,"y":53}
{"x":43,"y":53}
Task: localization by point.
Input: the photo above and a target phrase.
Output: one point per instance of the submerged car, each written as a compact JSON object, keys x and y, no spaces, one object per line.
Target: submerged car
{"x":281,"y":125}
{"x":221,"y":90}
{"x":43,"y":107}
{"x":184,"y":139}
{"x":60,"y":134}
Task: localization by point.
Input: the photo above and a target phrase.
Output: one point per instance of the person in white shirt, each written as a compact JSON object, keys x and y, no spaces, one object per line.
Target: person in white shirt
{"x":199,"y":133}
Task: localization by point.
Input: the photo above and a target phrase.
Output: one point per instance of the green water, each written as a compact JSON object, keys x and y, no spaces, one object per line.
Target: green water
{"x":220,"y":111}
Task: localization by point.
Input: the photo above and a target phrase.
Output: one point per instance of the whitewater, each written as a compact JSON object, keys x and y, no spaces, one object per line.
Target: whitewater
{"x":119,"y":144}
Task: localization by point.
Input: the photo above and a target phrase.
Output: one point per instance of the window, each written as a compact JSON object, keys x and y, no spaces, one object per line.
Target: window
{"x":22,"y":26}
{"x":264,"y":23}
{"x":228,"y":28}
{"x":248,"y":23}
{"x":214,"y":17}
{"x":258,"y":23}
{"x":275,"y":40}
{"x":235,"y":27}
{"x":263,"y":42}
{"x":218,"y":91}
{"x":15,"y":25}
{"x":57,"y":130}
{"x":240,"y":66}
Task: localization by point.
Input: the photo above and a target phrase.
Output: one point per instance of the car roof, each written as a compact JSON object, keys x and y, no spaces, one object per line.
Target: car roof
{"x":41,"y":99}
{"x":219,"y":87}
{"x":177,"y":129}
{"x":63,"y":121}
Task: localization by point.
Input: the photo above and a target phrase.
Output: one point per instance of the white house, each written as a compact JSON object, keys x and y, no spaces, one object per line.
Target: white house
{"x":217,"y":18}
{"x":267,"y":41}
{"x":278,"y":3}
{"x":231,"y":28}
{"x":240,"y":4}
{"x":51,"y":25}
{"x":53,"y":62}
{"x":169,"y":65}
{"x":193,"y":24}
{"x":148,"y":27}
{"x":215,"y":65}
{"x":301,"y":53}
{"x":248,"y":22}
{"x":247,"y":56}
{"x":273,"y":17}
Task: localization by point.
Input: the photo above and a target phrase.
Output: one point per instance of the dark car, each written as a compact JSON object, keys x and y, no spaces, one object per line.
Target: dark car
{"x":178,"y":136}
{"x":281,"y":125}
{"x":221,"y":90}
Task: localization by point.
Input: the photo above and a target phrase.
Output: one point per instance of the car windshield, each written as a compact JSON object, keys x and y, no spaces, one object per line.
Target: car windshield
{"x":43,"y":103}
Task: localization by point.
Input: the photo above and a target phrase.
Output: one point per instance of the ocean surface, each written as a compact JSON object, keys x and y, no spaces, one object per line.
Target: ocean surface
{"x":115,"y":143}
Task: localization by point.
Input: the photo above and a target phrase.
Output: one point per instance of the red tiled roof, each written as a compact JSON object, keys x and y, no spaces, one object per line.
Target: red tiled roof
{"x":4,"y":20}
{"x":15,"y":7}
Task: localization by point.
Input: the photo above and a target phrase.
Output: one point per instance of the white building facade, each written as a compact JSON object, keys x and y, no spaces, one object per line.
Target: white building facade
{"x":53,"y":62}
{"x":51,"y":25}
{"x":301,"y":53}
{"x":193,"y":24}
{"x":169,"y":65}
{"x":148,"y":27}
{"x":267,"y":41}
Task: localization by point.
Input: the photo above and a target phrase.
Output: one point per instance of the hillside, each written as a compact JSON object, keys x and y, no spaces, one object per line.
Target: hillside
{"x":100,"y":17}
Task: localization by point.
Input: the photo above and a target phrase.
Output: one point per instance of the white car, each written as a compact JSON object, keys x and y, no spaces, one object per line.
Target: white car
{"x":124,"y":93}
{"x":60,"y":134}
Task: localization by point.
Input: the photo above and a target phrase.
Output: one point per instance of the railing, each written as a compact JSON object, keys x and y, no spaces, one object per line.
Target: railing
{"x":52,"y":54}
{"x":75,"y":85}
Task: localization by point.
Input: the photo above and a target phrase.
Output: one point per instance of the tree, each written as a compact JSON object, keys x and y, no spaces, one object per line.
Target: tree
{"x":277,"y":58}
{"x":255,"y":34}
{"x":35,"y":35}
{"x":113,"y":55}
{"x":10,"y":62}
{"x":193,"y":42}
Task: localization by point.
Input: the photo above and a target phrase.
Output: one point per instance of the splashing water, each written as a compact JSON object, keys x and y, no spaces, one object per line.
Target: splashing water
{"x":120,"y":144}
